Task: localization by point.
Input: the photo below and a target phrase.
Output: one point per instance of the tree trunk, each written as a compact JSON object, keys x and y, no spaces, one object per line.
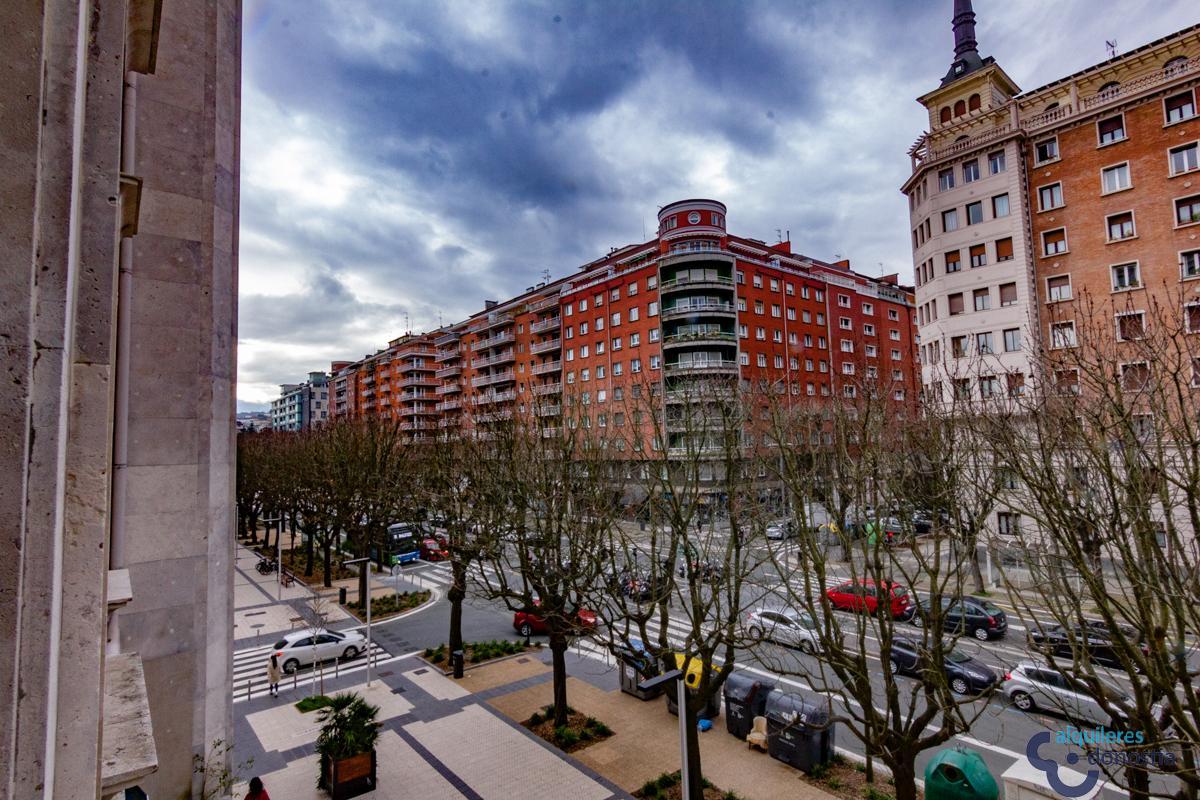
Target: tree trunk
{"x":558,"y":650}
{"x":455,"y":595}
{"x":904,"y":775}
{"x":310,"y":545}
{"x":328,"y":563}
{"x":1139,"y":783}
{"x":695,"y":788}
{"x":253,"y":527}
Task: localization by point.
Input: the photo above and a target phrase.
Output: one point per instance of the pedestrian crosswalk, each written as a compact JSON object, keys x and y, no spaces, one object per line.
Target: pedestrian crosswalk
{"x":250,"y":670}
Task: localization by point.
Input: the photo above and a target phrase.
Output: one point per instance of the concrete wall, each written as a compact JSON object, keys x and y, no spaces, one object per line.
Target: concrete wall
{"x":61,"y":124}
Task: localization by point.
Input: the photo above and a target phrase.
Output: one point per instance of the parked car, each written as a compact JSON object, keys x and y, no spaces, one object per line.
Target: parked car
{"x":530,"y":622}
{"x":302,"y":648}
{"x":864,"y":595}
{"x":782,"y":529}
{"x":433,"y":550}
{"x":964,"y":674}
{"x":1037,"y":687}
{"x":982,"y":619}
{"x":784,"y":626}
{"x":1092,"y":640}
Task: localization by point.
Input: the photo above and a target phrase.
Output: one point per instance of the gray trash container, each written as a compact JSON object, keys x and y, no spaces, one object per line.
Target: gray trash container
{"x":799,"y":731}
{"x":634,"y":667}
{"x":745,"y":699}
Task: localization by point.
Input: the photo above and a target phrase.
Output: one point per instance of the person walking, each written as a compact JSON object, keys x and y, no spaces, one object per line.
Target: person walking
{"x":257,"y":792}
{"x":274,"y":674}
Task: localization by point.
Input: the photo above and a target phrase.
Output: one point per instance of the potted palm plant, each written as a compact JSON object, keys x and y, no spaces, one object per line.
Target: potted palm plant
{"x":346,"y":745}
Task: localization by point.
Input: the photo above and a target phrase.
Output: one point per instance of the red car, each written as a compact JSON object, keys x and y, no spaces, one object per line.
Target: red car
{"x":864,"y":595}
{"x":529,"y":623}
{"x":434,"y":550}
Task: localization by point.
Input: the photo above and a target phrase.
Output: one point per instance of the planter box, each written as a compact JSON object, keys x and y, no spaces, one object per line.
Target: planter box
{"x":350,"y":777}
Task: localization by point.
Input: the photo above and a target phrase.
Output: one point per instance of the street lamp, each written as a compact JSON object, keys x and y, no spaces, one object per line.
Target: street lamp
{"x":368,"y":569}
{"x":278,"y":520}
{"x":681,"y":702}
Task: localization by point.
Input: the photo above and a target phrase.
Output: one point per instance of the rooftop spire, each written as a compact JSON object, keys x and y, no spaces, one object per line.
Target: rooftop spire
{"x":964,"y":28}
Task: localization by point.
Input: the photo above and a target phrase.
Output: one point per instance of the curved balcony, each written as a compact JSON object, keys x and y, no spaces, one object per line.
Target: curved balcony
{"x":724,"y":366}
{"x":727,"y":338}
{"x":667,"y":286}
{"x":699,"y":309}
{"x":692,"y":256}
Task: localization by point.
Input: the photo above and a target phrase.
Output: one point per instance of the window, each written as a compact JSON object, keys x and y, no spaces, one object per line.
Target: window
{"x":1187,"y":210}
{"x":1008,"y":523}
{"x":893,"y":314}
{"x":1111,"y":129}
{"x":776,"y":310}
{"x":996,"y":162}
{"x":970,"y":171}
{"x":950,"y":220}
{"x":1008,"y":294}
{"x":774,"y":284}
{"x":655,"y":362}
{"x":741,"y":304}
{"x":616,"y":343}
{"x":1185,"y":158}
{"x":651,"y":310}
{"x":1000,"y":205}
{"x":618,"y":369}
{"x":1016,"y":386}
{"x":1004,"y":249}
{"x":847,"y":346}
{"x":975,"y":212}
{"x":635,"y":339}
{"x":989,"y":386}
{"x":1180,"y":107}
{"x":1131,"y":325}
{"x":1189,"y":264}
{"x":585,"y":374}
{"x":762,"y":360}
{"x":616,"y":319}
{"x":600,"y":348}
{"x":743,"y":332}
{"x":868,"y":330}
{"x":894,"y":335}
{"x":871,"y":350}
{"x":652,"y":282}
{"x":1067,"y":381}
{"x":1125,"y":276}
{"x":758,"y":306}
{"x":790,"y":289}
{"x":760,"y":333}
{"x":845,"y":324}
{"x":1135,"y":376}
{"x":583,"y":328}
{"x":1115,"y":178}
{"x":600,"y":372}
{"x":960,"y":107}
{"x":1058,"y":288}
{"x":847,"y":368}
{"x":635,"y":365}
{"x":1120,"y":226}
{"x":1050,"y":197}
{"x":1046,"y":150}
{"x":962,"y":389}
{"x":1054,"y":242}
{"x":634,"y":315}
{"x":983,"y":343}
{"x":983,"y":299}
{"x":1012,"y":340}
{"x":1062,"y":334}
{"x":791,"y":314}
{"x":953,"y":264}
{"x":978,"y":255}
{"x":583,"y":351}
{"x":895,"y":354}
{"x":956,"y":303}
{"x":757,"y":280}
{"x":1191,"y":314}
{"x":654,"y":334}
{"x":741,"y":278}
{"x":946,"y":179}
{"x":744,"y":359}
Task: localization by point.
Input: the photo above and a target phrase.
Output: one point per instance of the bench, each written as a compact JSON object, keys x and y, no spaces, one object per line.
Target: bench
{"x":286,"y":578}
{"x":296,"y":622}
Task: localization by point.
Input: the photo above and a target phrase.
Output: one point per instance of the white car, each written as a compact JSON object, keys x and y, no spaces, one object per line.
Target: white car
{"x":302,"y":648}
{"x":784,"y":626}
{"x":777,"y":531}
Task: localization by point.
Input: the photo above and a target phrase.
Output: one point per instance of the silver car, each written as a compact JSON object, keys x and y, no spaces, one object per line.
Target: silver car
{"x":1033,"y":687}
{"x":784,"y":626}
{"x":303,"y":648}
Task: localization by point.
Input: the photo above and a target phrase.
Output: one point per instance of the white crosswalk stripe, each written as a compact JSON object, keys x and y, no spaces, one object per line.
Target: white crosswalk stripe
{"x":250,"y":670}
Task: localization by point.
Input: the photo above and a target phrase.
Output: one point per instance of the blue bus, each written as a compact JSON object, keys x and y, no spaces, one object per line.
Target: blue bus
{"x":401,"y":545}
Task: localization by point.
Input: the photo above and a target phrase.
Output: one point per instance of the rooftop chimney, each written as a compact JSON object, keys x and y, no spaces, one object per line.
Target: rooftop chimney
{"x":964,"y":28}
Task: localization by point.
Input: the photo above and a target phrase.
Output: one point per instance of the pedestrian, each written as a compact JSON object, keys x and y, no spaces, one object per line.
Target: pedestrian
{"x":257,"y":792}
{"x":274,"y":674}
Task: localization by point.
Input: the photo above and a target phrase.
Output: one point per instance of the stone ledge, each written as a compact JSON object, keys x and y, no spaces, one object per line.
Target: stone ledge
{"x":128,"y":753}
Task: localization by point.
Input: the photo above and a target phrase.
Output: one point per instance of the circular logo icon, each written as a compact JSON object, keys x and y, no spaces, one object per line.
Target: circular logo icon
{"x":694,"y":217}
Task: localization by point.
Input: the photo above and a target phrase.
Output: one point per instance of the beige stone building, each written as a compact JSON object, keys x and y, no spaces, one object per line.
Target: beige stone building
{"x":119,"y":123}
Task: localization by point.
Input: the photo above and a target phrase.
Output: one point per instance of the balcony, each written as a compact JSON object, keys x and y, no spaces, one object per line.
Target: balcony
{"x":449,"y":405}
{"x":707,"y":367}
{"x":445,"y":339}
{"x":552,"y":324}
{"x":544,"y":303}
{"x":449,"y":372}
{"x":410,"y":397}
{"x":499,"y":358}
{"x":419,"y":425}
{"x":448,"y":388}
{"x":420,"y":380}
{"x":542,"y":389}
{"x":689,"y":282}
{"x":495,"y":341}
{"x":691,"y":309}
{"x":448,"y":355}
{"x":493,"y":321}
{"x":420,"y":363}
{"x":687,"y":256}
{"x":549,"y":410}
{"x":488,"y":380}
{"x":494,"y":416}
{"x":493,"y":397}
{"x":546,"y":346}
{"x":550,"y":433}
{"x":717,"y":337}
{"x":546,"y":367}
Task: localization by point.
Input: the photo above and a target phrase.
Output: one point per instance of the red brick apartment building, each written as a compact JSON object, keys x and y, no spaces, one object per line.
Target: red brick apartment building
{"x":1039,"y":215}
{"x":694,"y":302}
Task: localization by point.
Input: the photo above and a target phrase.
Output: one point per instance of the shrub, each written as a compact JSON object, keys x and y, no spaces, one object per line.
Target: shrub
{"x":649,"y":788}
{"x":818,"y":772}
{"x":871,"y":793}
{"x":565,"y":736}
{"x":312,"y":703}
{"x":600,"y":729}
{"x":667,"y":780}
{"x":834,"y":782}
{"x":536,"y":719}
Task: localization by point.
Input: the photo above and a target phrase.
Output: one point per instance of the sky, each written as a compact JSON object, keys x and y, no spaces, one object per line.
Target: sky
{"x":403,"y":162}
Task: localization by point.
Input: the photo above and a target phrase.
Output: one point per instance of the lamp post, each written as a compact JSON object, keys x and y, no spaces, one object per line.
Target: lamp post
{"x":367,"y":566}
{"x":681,"y":703}
{"x":278,"y":520}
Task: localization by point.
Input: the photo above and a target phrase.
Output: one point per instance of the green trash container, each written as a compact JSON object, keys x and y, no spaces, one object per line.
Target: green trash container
{"x":959,"y":774}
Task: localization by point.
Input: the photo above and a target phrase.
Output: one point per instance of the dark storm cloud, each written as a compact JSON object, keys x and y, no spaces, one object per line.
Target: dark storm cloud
{"x":418,"y":158}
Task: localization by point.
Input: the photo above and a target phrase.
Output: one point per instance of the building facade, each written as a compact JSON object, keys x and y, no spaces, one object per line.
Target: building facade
{"x":695,"y":303}
{"x":1032,"y":209}
{"x":119,"y":312}
{"x":301,"y":406}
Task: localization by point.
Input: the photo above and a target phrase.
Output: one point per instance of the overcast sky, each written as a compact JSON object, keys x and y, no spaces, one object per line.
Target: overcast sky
{"x":402,"y":162}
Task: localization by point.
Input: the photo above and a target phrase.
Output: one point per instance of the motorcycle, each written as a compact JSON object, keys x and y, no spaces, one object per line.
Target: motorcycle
{"x":266,"y":566}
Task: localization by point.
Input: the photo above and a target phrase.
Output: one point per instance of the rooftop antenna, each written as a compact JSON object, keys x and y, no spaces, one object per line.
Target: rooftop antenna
{"x":407,"y":323}
{"x":778,"y":234}
{"x":545,"y":276}
{"x":1111,"y":46}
